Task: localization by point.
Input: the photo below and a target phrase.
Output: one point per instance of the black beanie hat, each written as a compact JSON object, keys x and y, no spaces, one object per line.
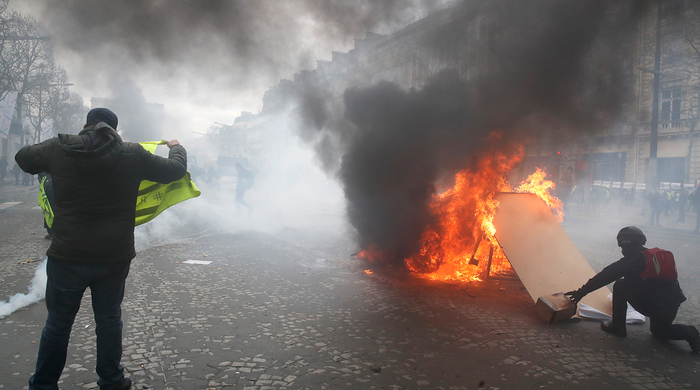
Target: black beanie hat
{"x":97,"y":115}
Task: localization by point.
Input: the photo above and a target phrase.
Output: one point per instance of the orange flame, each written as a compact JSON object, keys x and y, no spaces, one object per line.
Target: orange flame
{"x":538,"y":185}
{"x":461,"y":245}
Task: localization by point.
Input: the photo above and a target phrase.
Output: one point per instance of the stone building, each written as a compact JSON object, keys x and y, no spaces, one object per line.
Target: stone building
{"x":620,"y":154}
{"x":460,"y":36}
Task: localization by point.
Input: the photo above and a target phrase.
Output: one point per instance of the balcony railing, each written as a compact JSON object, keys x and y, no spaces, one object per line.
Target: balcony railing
{"x":672,"y":125}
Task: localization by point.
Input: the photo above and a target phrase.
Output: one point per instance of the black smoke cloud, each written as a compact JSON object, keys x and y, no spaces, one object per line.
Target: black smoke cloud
{"x":553,"y":68}
{"x":404,"y":142}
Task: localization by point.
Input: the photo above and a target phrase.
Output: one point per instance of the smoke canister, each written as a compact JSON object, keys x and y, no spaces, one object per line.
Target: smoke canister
{"x":554,"y":308}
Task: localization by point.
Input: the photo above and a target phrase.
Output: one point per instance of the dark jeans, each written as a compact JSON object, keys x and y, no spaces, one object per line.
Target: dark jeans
{"x":655,"y":215}
{"x":64,"y":291}
{"x":240,"y":201}
{"x":661,"y":316}
{"x":49,"y":230}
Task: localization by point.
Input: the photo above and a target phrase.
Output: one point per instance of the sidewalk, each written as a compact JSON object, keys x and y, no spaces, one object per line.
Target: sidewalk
{"x":294,"y":311}
{"x":269,"y":314}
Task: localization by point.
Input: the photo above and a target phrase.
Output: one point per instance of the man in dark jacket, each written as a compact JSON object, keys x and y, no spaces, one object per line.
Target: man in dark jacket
{"x":96,"y":178}
{"x":656,"y":205}
{"x":658,"y":300}
{"x":682,"y":204}
{"x":16,"y":170}
{"x":244,"y":183}
{"x":695,"y":202}
{"x":3,"y":168}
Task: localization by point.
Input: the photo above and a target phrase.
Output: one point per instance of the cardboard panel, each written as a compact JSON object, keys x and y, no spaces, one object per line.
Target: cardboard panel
{"x":540,"y":251}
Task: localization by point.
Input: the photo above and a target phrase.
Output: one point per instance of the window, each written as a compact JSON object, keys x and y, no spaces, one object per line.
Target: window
{"x":671,"y":108}
{"x":670,"y":169}
{"x":673,"y":50}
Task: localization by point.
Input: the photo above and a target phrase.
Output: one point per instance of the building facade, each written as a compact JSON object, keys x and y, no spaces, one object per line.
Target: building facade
{"x":460,"y":36}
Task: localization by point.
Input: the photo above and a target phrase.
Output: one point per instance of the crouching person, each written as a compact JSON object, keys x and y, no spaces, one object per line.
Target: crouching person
{"x":96,"y":179}
{"x":647,"y":279}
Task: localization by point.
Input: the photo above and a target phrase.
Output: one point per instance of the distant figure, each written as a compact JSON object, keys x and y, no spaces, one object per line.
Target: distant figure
{"x":656,"y":297}
{"x":16,"y":170}
{"x":565,"y":185}
{"x":3,"y":168}
{"x":695,"y":202}
{"x":26,"y":178}
{"x":245,"y":182}
{"x":682,"y":204}
{"x":656,"y":205}
{"x":578,"y":194}
{"x":212,"y":175}
{"x":597,"y":199}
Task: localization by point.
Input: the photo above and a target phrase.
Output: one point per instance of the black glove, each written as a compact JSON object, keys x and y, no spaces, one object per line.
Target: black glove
{"x":575,"y":296}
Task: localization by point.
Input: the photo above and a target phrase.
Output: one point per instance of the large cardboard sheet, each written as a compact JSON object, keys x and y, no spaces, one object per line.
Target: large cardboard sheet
{"x":540,"y":251}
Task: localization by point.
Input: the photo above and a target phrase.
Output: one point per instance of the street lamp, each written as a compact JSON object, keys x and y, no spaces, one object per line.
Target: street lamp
{"x":652,"y":171}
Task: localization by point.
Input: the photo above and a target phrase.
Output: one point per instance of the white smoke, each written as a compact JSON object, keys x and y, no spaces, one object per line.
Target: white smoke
{"x":37,"y":292}
{"x":290,"y":191}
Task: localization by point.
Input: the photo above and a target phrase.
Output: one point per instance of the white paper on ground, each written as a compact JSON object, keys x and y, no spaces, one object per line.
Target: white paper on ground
{"x":633,"y":316}
{"x":203,"y":262}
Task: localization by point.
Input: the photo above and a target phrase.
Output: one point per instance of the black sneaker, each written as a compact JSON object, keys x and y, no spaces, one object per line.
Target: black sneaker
{"x":124,"y":384}
{"x":694,"y":340}
{"x":609,"y":327}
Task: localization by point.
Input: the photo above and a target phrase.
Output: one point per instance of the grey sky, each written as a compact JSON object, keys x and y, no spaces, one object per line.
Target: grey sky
{"x":206,"y":61}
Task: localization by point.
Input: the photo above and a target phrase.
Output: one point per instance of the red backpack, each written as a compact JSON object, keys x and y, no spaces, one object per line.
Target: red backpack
{"x":660,"y":265}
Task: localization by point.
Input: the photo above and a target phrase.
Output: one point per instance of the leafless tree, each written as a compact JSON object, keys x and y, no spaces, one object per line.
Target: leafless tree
{"x":27,"y":66}
{"x":64,"y":108}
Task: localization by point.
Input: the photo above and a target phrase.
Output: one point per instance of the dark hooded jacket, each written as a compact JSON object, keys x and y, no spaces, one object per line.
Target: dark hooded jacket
{"x":644,"y":293}
{"x":96,"y":178}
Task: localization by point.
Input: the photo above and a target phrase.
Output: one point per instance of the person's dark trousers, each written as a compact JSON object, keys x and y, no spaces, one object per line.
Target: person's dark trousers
{"x":655,"y":215}
{"x":49,"y":230}
{"x":66,"y":283}
{"x":240,"y":201}
{"x":660,"y":317}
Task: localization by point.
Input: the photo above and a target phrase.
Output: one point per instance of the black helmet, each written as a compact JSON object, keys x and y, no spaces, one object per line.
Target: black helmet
{"x":631,"y":235}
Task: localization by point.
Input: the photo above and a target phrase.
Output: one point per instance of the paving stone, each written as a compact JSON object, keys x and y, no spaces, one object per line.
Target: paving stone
{"x":271,"y":318}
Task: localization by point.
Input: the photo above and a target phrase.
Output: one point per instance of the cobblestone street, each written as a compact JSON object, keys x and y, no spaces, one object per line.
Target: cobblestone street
{"x":294,"y":310}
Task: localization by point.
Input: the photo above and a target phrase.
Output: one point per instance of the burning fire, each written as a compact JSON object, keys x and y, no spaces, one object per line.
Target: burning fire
{"x":462,"y":244}
{"x":538,"y":185}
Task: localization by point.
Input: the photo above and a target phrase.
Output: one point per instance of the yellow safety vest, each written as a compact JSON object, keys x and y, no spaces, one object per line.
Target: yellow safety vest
{"x":153,"y":198}
{"x":44,"y":203}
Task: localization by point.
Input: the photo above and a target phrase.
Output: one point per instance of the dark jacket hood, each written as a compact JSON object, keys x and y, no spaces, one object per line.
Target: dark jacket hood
{"x":99,"y":143}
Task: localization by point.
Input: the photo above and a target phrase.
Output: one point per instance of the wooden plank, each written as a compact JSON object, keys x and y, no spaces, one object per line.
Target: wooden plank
{"x":540,"y":251}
